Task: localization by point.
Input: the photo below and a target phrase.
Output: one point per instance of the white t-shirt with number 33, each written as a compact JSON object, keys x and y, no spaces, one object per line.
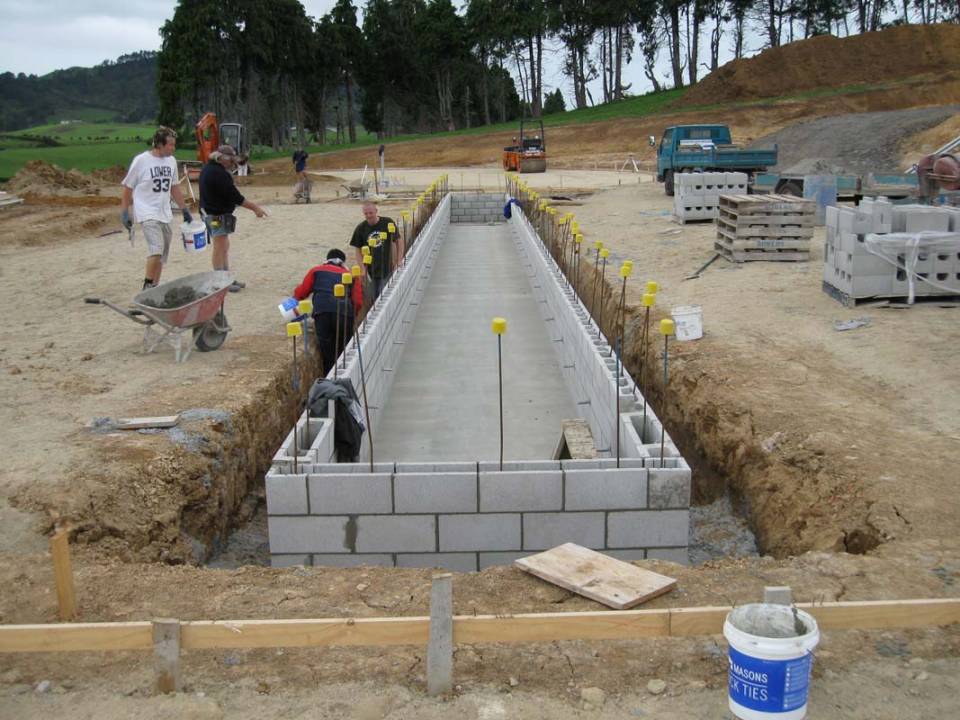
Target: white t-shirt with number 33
{"x":151,"y":177}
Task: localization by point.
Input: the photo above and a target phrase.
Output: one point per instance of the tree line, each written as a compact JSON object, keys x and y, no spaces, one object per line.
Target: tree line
{"x":425,"y":65}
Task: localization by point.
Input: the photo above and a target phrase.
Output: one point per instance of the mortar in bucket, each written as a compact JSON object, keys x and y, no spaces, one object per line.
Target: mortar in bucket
{"x":688,"y":320}
{"x":771,"y":659}
{"x":194,"y":236}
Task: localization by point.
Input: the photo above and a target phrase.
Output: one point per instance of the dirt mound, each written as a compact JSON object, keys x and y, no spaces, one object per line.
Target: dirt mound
{"x":827,"y":61}
{"x":113,"y":174}
{"x":854,"y":142}
{"x":40,"y":178}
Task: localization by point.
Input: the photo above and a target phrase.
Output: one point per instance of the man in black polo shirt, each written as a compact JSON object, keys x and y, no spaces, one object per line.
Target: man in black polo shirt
{"x":219,"y":197}
{"x":375,"y":233}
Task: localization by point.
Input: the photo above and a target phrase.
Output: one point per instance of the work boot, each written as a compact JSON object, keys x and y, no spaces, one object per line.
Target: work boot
{"x":237,"y":286}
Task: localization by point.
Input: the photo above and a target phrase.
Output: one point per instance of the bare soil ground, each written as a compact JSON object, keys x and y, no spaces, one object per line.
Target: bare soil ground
{"x":842,"y":446}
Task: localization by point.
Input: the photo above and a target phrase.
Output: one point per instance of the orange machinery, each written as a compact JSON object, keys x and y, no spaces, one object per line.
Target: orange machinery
{"x":211,"y":135}
{"x":529,"y":155}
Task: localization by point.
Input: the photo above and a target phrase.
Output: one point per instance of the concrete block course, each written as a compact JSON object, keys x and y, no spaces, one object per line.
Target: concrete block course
{"x":286,"y":494}
{"x":396,"y":533}
{"x":491,"y":531}
{"x":285,"y":561}
{"x":669,"y":488}
{"x":456,"y":562}
{"x":307,"y":534}
{"x":489,"y":559}
{"x":648,"y":528}
{"x":443,"y":492}
{"x":542,"y":531}
{"x":608,"y":489}
{"x":521,"y":491}
{"x":350,"y":494}
{"x":353,"y":560}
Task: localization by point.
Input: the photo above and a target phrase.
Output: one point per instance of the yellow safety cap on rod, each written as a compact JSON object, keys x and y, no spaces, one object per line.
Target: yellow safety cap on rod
{"x":339,"y":290}
{"x":368,"y":259}
{"x":574,"y":226}
{"x":553,"y":211}
{"x":405,"y":214}
{"x":391,"y":227}
{"x":294,"y":329}
{"x":419,"y":201}
{"x":624,"y":271}
{"x":543,"y":204}
{"x":628,"y":263}
{"x":653,"y":286}
{"x":383,"y":234}
{"x":597,"y":244}
{"x":604,"y":253}
{"x":666,"y":326}
{"x":305,"y":307}
{"x":346,"y":279}
{"x":365,"y":251}
{"x":563,"y":220}
{"x":355,"y":271}
{"x":578,"y":238}
{"x":499,"y":325}
{"x":649,"y":300}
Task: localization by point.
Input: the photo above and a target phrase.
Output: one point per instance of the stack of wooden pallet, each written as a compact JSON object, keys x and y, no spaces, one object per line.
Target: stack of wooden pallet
{"x":765,"y":227}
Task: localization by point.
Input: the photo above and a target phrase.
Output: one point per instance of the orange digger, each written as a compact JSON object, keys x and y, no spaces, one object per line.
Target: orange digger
{"x":529,"y":155}
{"x":211,"y":135}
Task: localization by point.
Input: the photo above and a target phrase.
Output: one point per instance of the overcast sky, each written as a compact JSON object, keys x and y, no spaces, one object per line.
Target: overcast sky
{"x":39,"y":36}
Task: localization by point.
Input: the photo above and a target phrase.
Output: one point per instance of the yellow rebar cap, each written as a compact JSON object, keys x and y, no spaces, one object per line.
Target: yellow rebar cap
{"x":625,"y":271}
{"x":305,"y":307}
{"x":368,"y":259}
{"x":294,"y":329}
{"x":405,"y":214}
{"x":653,"y":286}
{"x":574,"y":226}
{"x":391,"y":227}
{"x":649,"y":300}
{"x":383,"y":234}
{"x":339,"y":290}
{"x":499,"y":325}
{"x":604,"y":253}
{"x":563,"y":220}
{"x":346,"y":279}
{"x":578,"y":238}
{"x":598,"y":244}
{"x":666,"y":327}
{"x":365,"y":250}
{"x":355,"y":271}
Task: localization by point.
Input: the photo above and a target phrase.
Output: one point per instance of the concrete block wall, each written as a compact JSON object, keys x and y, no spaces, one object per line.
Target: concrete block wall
{"x":461,"y":517}
{"x":854,"y":269}
{"x":696,"y":196}
{"x":468,"y":516}
{"x":477,"y":207}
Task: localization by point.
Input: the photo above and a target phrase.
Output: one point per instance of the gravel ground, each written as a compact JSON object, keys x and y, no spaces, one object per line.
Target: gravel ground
{"x":856,"y":143}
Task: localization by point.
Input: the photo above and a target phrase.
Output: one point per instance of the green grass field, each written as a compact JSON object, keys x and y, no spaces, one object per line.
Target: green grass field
{"x":87,"y":133}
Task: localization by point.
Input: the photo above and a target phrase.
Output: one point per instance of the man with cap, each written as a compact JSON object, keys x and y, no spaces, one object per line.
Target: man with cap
{"x":219,"y":197}
{"x":319,"y":282}
{"x":375,"y":233}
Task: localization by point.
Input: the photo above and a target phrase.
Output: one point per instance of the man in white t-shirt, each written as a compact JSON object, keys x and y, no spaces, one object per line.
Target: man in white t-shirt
{"x":150,"y":181}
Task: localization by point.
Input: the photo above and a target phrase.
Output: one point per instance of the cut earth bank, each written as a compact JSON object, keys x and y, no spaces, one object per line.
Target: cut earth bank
{"x":844,"y":443}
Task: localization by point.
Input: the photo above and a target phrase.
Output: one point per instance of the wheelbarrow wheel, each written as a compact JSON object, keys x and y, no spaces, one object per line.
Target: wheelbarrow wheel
{"x":212,"y":334}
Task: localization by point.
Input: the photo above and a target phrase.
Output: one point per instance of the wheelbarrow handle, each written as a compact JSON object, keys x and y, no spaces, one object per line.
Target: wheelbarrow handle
{"x":93,"y":301}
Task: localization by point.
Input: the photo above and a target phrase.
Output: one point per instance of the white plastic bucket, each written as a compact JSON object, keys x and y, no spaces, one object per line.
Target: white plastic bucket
{"x":194,"y":236}
{"x":688,"y":322}
{"x":769,"y":676}
{"x":288,"y":309}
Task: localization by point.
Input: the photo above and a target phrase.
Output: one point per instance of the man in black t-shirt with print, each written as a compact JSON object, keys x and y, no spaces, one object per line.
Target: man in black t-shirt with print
{"x":375,"y":233}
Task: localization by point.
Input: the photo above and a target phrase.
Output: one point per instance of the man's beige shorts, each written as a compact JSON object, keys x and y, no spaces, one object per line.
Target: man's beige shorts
{"x":158,"y":235}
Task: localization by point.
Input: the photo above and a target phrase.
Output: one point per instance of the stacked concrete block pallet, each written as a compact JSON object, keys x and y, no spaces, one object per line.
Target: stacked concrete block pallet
{"x":855,"y":270}
{"x":697,"y":195}
{"x":466,"y":516}
{"x":765,"y":227}
{"x":477,"y":208}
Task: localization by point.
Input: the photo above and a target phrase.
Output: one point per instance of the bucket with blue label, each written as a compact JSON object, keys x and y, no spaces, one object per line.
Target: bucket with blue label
{"x":771,"y":659}
{"x":194,"y":236}
{"x":289,"y":309}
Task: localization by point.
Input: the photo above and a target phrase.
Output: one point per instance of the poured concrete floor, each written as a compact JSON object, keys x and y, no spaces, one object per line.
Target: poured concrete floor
{"x":444,"y":403}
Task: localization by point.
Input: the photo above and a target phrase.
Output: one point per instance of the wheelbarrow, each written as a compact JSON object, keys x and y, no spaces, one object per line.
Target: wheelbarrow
{"x":168,"y":311}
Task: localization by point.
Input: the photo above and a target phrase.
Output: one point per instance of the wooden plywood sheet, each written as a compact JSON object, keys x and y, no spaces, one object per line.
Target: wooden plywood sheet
{"x":614,"y":583}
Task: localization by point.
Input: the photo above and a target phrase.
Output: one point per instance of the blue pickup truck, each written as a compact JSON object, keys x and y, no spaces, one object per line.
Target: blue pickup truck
{"x":706,"y":148}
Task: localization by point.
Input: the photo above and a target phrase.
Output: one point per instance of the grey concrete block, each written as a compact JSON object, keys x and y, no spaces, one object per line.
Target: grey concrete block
{"x":648,"y":528}
{"x":610,"y":489}
{"x":343,"y":468}
{"x":494,"y":466}
{"x":438,"y":467}
{"x":396,"y":533}
{"x":490,"y":559}
{"x":307,"y":534}
{"x":350,"y":494}
{"x":354,"y":560}
{"x":457,"y":562}
{"x":669,"y":488}
{"x":286,"y":494}
{"x":542,"y":531}
{"x":678,"y":555}
{"x":521,"y":490}
{"x":492,"y":531}
{"x":447,"y":492}
{"x":285,"y":561}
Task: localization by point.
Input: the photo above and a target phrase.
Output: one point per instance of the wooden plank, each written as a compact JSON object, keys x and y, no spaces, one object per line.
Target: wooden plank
{"x":765,"y":230}
{"x":579,"y":439}
{"x":163,"y":421}
{"x":205,"y":634}
{"x":440,"y":645}
{"x":550,"y":627}
{"x":74,"y":637}
{"x":63,"y":576}
{"x":775,"y":244}
{"x":802,"y":219}
{"x":878,"y":614}
{"x":761,"y":255}
{"x":685,"y":622}
{"x":166,"y":656}
{"x":614,"y":583}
